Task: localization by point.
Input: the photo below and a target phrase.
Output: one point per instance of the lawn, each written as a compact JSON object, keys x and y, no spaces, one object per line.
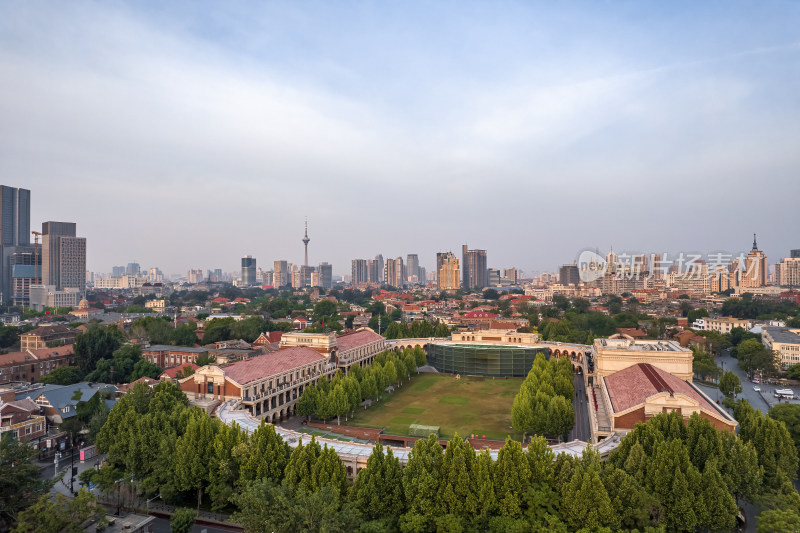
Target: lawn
{"x":471,"y":405}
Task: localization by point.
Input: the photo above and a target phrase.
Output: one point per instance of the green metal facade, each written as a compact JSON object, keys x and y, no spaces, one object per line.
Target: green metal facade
{"x":483,"y":360}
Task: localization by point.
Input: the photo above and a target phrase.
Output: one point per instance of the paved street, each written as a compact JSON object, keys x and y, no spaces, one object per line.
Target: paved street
{"x":763,"y":400}
{"x":580,"y":405}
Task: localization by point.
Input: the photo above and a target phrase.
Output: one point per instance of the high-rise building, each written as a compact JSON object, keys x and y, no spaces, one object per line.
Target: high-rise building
{"x":794,"y":254}
{"x":473,"y":266}
{"x":26,"y":270}
{"x":155,"y":275}
{"x":511,"y":275}
{"x":194,"y":275}
{"x":15,"y":231}
{"x":412,"y":268}
{"x":132,"y":269}
{"x":440,"y":257}
{"x":494,"y":276}
{"x":381,"y":266}
{"x":248,"y":271}
{"x":117,"y":271}
{"x":280,"y":274}
{"x":449,"y":275}
{"x":359,"y":272}
{"x":63,"y":256}
{"x":787,"y":272}
{"x":568,"y":275}
{"x":325,"y":275}
{"x":374,"y":274}
{"x":394,"y":273}
{"x":755,"y":269}
{"x":305,"y":275}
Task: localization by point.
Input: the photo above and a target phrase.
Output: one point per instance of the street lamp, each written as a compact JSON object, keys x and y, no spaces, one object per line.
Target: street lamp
{"x":117,"y":483}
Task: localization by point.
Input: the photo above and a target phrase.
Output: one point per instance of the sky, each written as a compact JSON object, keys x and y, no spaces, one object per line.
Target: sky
{"x":188,"y":134}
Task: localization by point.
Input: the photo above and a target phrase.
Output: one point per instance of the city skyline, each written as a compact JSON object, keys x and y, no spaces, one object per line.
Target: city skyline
{"x":163,"y":132}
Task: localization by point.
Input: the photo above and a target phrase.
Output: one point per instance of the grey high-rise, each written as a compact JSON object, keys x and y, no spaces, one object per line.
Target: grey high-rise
{"x":63,"y":256}
{"x":248,"y":270}
{"x":412,"y":268}
{"x":15,"y":231}
{"x":794,"y":253}
{"x":473,"y":266}
{"x":325,"y":275}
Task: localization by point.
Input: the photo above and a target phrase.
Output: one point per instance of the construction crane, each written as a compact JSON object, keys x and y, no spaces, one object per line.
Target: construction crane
{"x":36,"y":235}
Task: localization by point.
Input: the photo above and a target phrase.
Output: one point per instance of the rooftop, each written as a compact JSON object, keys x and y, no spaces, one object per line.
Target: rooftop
{"x":255,"y":368}
{"x":617,"y":343}
{"x":168,"y":348}
{"x":632,"y":386}
{"x":783,"y":335}
{"x":359,"y":338}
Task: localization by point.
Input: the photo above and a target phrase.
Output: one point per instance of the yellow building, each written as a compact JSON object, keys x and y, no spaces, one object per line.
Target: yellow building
{"x":785,"y":342}
{"x":450,"y":273}
{"x":621,"y":351}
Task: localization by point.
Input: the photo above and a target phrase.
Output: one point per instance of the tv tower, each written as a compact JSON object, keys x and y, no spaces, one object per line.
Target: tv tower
{"x":305,"y":242}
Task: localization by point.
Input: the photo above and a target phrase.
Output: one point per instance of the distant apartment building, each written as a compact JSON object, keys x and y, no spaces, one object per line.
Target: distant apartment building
{"x":449,"y":274}
{"x":511,"y":275}
{"x":133,"y":269}
{"x":722,"y":324}
{"x":374,"y":274}
{"x":359,"y":272}
{"x":122,"y":282}
{"x":281,"y":277}
{"x":412,"y":269}
{"x":493,"y":277}
{"x":63,"y":256}
{"x":784,"y":342}
{"x":15,"y":232}
{"x":787,"y":272}
{"x":248,"y":271}
{"x":394,"y":272}
{"x":473,"y":265}
{"x":47,"y":296}
{"x":325,"y":271}
{"x":568,"y":275}
{"x":194,"y":276}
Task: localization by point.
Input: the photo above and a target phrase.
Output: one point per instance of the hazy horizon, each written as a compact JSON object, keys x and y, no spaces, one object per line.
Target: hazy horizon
{"x":188,"y":135}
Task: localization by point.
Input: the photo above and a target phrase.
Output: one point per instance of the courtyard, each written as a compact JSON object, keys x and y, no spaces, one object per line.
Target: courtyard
{"x":470,"y":405}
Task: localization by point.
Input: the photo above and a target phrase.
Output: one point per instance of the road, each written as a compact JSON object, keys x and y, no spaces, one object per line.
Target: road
{"x":580,"y":405}
{"x":762,"y":400}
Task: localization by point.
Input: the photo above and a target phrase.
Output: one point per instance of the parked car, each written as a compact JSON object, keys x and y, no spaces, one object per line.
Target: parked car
{"x":757,"y":389}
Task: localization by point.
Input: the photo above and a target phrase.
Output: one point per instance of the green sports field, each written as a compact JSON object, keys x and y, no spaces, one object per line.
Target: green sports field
{"x":471,"y":405}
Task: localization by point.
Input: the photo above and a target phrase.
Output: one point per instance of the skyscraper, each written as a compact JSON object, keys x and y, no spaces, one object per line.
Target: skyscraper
{"x":755,"y":268}
{"x":325,"y":275}
{"x":449,"y":274}
{"x":132,"y":269}
{"x":380,"y":265}
{"x":473,"y":265}
{"x":15,"y":231}
{"x":374,"y":274}
{"x":63,"y":256}
{"x":280,"y":274}
{"x":569,"y":275}
{"x":794,"y":254}
{"x":359,"y":272}
{"x":412,"y":268}
{"x":394,"y":272}
{"x":248,"y":270}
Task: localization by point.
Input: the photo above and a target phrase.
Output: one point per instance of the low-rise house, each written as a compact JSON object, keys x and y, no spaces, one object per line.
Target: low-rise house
{"x":30,"y":365}
{"x":44,"y":336}
{"x":165,"y":356}
{"x":785,"y":342}
{"x":22,"y":419}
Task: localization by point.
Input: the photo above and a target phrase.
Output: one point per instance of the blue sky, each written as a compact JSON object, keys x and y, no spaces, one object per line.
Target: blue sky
{"x":187,"y":135}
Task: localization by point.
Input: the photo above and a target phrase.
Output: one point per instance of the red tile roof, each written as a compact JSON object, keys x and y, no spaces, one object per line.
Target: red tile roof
{"x":256,"y":368}
{"x":632,"y":386}
{"x":354,"y":340}
{"x":41,"y":354}
{"x":172,"y":372}
{"x":479,"y":314}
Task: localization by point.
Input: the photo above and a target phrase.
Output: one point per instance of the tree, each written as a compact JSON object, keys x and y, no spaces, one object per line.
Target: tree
{"x":193,"y":454}
{"x":729,"y":384}
{"x":789,"y":414}
{"x":144,"y":368}
{"x":753,"y":355}
{"x":457,"y":494}
{"x":585,"y":503}
{"x":511,"y":478}
{"x":21,"y":485}
{"x":719,"y":506}
{"x":184,"y":335}
{"x":338,"y":402}
{"x":265,"y":457}
{"x":421,"y":479}
{"x":306,"y":404}
{"x":224,"y":468}
{"x":65,"y":375}
{"x":378,"y":489}
{"x":62,"y":515}
{"x":774,"y":520}
{"x":96,"y":344}
{"x":390,"y":373}
{"x":182,"y":520}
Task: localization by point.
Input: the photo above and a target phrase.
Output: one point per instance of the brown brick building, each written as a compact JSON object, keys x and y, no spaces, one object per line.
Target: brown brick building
{"x":31,"y":365}
{"x":38,"y":338}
